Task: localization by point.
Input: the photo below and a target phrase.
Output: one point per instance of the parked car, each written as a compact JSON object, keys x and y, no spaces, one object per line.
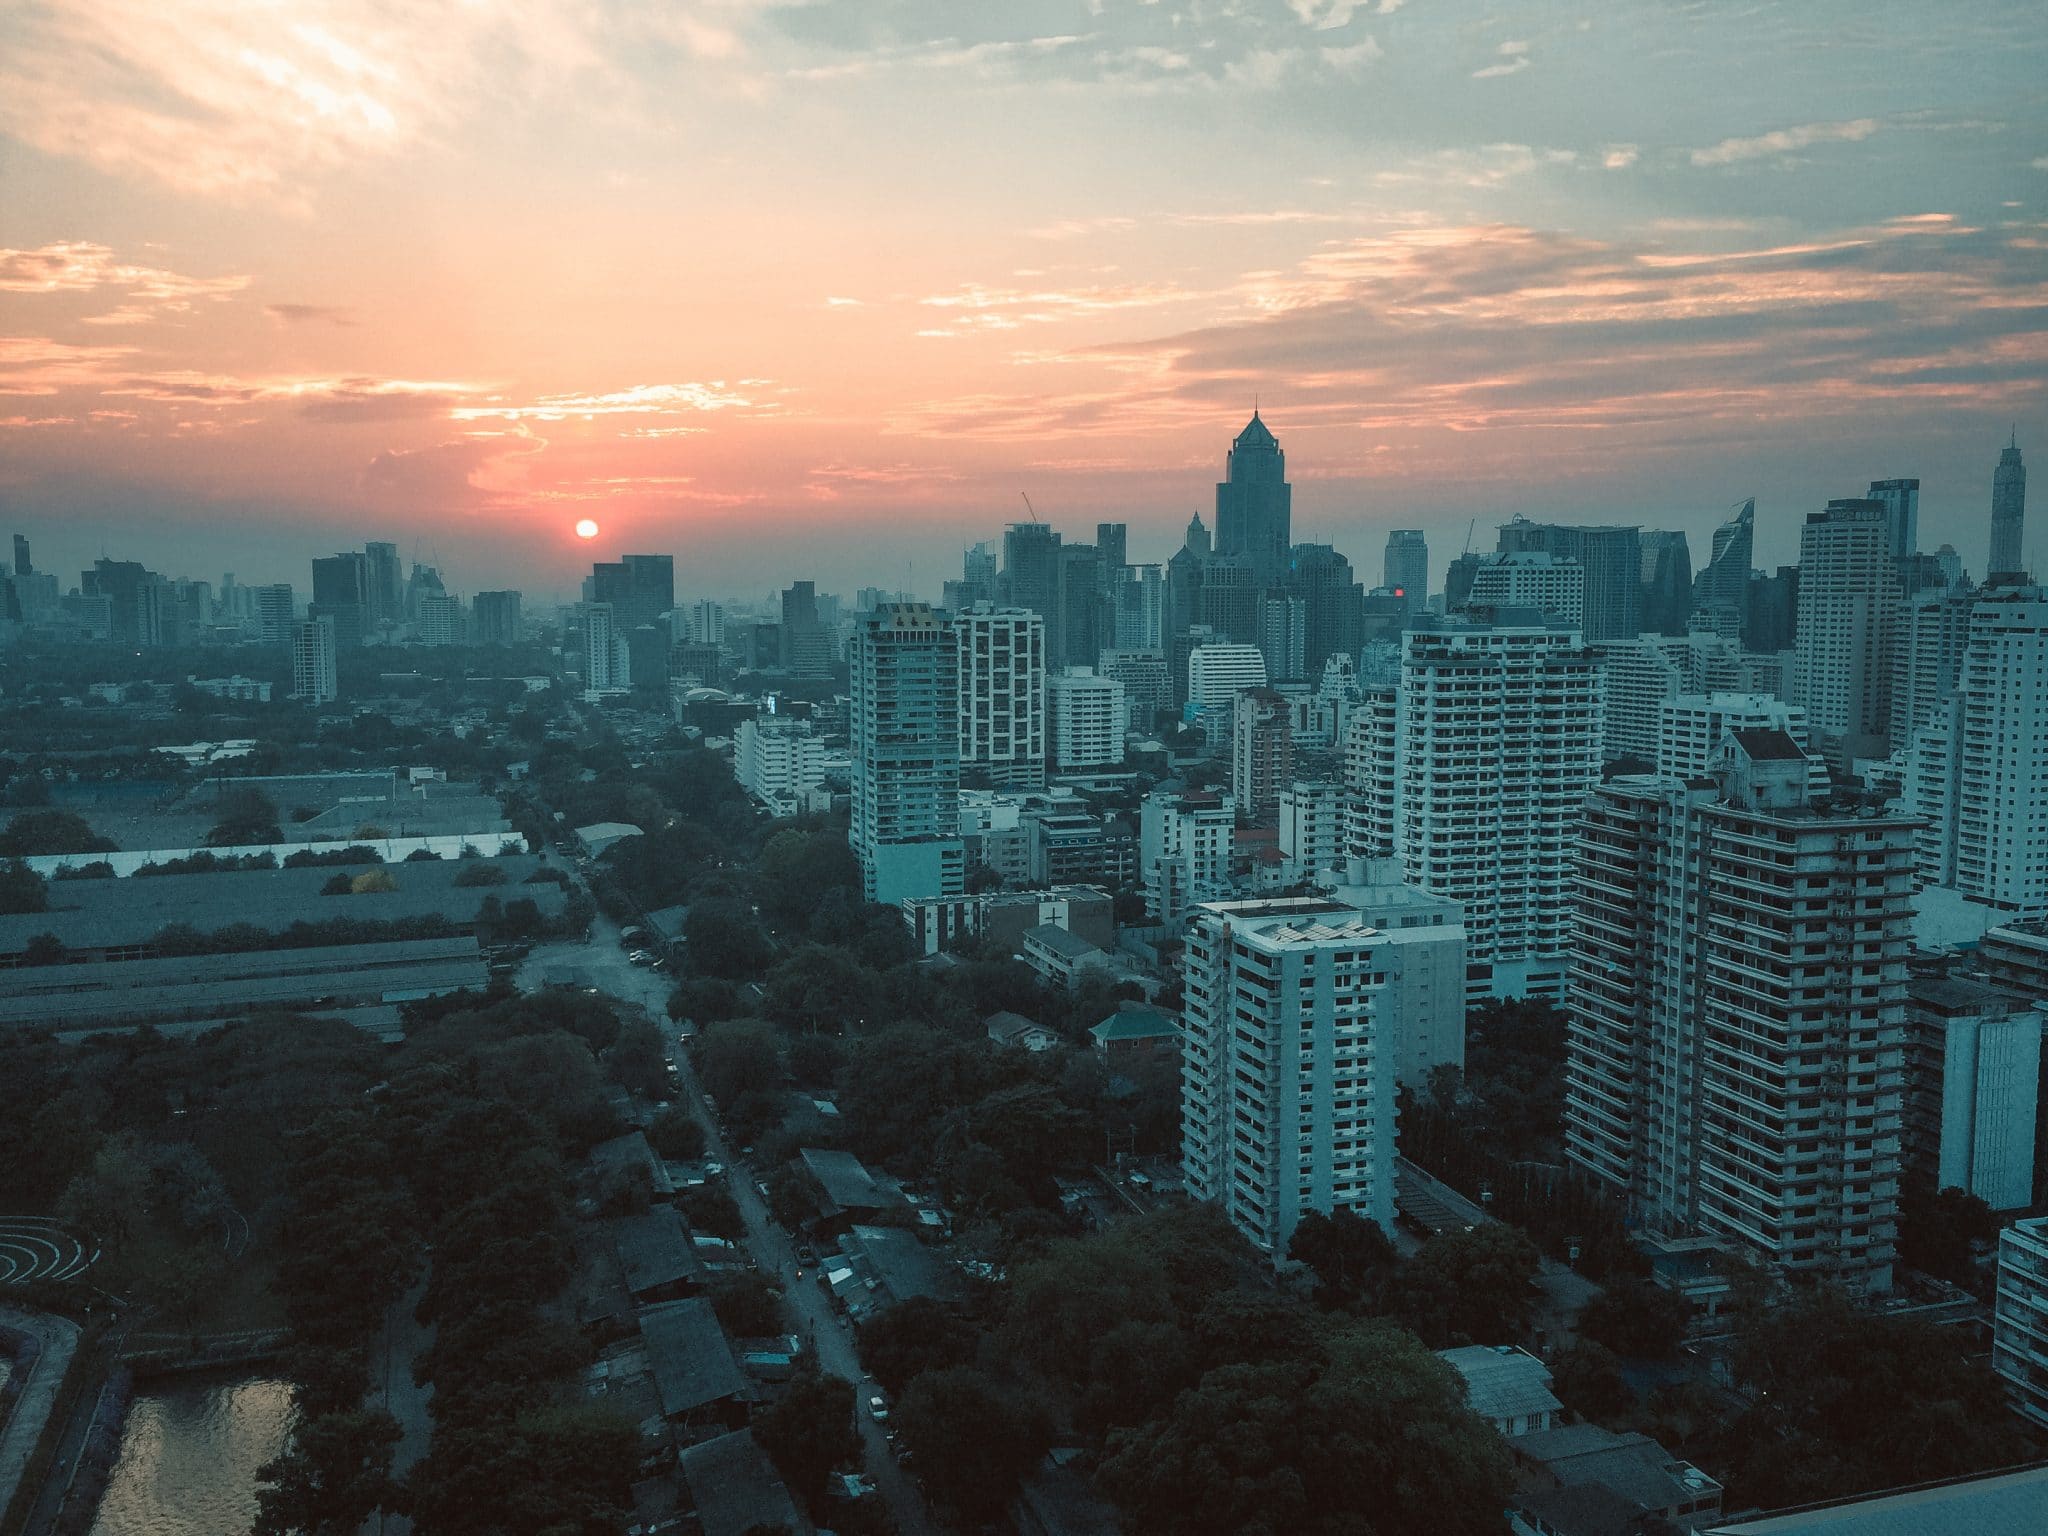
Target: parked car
{"x":878,"y":1408}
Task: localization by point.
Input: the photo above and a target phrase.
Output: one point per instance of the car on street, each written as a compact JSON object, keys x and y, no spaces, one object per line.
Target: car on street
{"x":878,"y":1408}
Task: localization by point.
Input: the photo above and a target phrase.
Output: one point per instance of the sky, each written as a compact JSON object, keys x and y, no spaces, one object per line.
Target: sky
{"x":824,"y":289}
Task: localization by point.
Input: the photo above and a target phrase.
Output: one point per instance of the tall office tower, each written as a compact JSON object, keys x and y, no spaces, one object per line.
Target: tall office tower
{"x":496,"y":617}
{"x":1073,"y":630}
{"x":1901,"y":500}
{"x":1612,"y":559}
{"x":1846,"y":597}
{"x":707,"y":622}
{"x":1141,"y":609}
{"x":1184,"y":846}
{"x":1261,"y":752}
{"x":1977,"y":769}
{"x":1973,"y":1087}
{"x":1086,"y":714}
{"x":1530,"y":579}
{"x":1929,"y":637}
{"x":1720,"y":593}
{"x":1736,"y":1010}
{"x":2008,"y":514}
{"x":905,"y":720}
{"x":23,"y":566}
{"x":1334,"y":623}
{"x":805,"y":645}
{"x":1666,"y":582}
{"x":274,"y":610}
{"x":384,"y":581}
{"x":607,"y":664}
{"x":640,"y":588}
{"x":440,"y":620}
{"x":978,"y":573}
{"x":1112,"y":544}
{"x":1283,"y":636}
{"x":1291,"y":996}
{"x":1254,"y":504}
{"x":1405,"y":571}
{"x":1229,"y":599}
{"x":1770,"y":617}
{"x":132,"y":606}
{"x":1495,"y":739}
{"x":341,"y":590}
{"x":1031,"y":568}
{"x":1181,"y":599}
{"x":315,"y":678}
{"x":1002,"y":670}
{"x":1147,"y":685}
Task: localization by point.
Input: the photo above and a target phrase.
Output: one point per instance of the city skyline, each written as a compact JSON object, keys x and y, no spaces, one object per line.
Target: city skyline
{"x":1468,"y":268}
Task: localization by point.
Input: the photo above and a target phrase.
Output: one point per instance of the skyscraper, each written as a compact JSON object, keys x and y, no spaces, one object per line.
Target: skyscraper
{"x":314,"y":677}
{"x":341,"y":590}
{"x":606,"y":663}
{"x":23,"y":566}
{"x":1847,"y":596}
{"x":2008,"y":514}
{"x":1031,"y":568}
{"x":1261,"y":752}
{"x":1901,"y":500}
{"x":1293,"y":996}
{"x":496,"y":616}
{"x":1530,"y":579}
{"x":1666,"y":583}
{"x":1736,"y":1010}
{"x":1406,"y":569}
{"x":1254,"y":504}
{"x":1333,"y":604}
{"x":1494,"y":739}
{"x":1977,"y":769}
{"x":1085,"y":719}
{"x":905,"y":721}
{"x":383,"y":584}
{"x":1611,"y":557}
{"x":805,"y":646}
{"x":1074,"y":629}
{"x":640,"y":588}
{"x":1720,"y":593}
{"x":1002,"y":672}
{"x":274,"y":607}
{"x":978,"y":574}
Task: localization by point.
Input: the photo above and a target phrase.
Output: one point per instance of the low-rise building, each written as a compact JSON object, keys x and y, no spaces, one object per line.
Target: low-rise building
{"x":1013,"y":1029}
{"x":1063,"y":958}
{"x":696,"y":1374}
{"x":1506,"y":1386}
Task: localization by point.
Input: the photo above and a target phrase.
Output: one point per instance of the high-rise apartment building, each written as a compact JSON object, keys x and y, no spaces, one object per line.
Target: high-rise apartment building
{"x":1002,"y":697}
{"x":1690,"y":727}
{"x":1312,"y":826}
{"x":1147,"y":685}
{"x":383,"y":584}
{"x":1847,"y":596}
{"x":1720,"y":593}
{"x":1736,"y":1010}
{"x":905,"y":719}
{"x":1261,"y":752}
{"x":2019,"y":1329}
{"x":1977,"y":766}
{"x":315,"y":680}
{"x":1474,"y":778}
{"x":607,"y":664}
{"x":1639,"y":675}
{"x":1086,"y":714}
{"x":1287,"y":1065}
{"x":496,"y":618}
{"x":440,"y":620}
{"x":2008,"y":515}
{"x":1184,"y":848}
{"x":274,"y":607}
{"x":1973,"y":1087}
{"x":1255,"y":504}
{"x":1031,"y":569}
{"x":1530,"y":579}
{"x":1930,"y":632}
{"x":781,"y":761}
{"x":1901,"y":500}
{"x":1405,"y":571}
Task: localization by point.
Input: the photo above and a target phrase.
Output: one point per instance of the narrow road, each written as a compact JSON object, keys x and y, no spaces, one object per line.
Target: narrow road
{"x":603,"y":964}
{"x":38,"y":1392}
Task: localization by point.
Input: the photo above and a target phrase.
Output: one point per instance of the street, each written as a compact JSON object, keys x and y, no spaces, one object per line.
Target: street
{"x":603,"y":964}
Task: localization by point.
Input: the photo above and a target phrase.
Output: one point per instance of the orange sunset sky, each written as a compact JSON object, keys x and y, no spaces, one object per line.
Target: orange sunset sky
{"x":815,"y":289}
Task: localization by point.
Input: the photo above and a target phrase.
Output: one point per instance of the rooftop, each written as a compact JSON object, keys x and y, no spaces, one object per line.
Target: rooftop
{"x":654,"y":1249}
{"x":735,"y":1487}
{"x":1503,"y":1383}
{"x":1997,"y":1502}
{"x":845,"y":1179}
{"x":1136,"y":1023}
{"x":1061,"y":942}
{"x":1763,"y":745}
{"x":691,"y":1359}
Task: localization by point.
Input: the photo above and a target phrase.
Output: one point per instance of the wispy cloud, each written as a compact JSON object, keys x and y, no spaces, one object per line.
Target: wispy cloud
{"x":639,"y":400}
{"x":1784,"y":141}
{"x":147,"y":293}
{"x":1514,"y":58}
{"x":309,"y":314}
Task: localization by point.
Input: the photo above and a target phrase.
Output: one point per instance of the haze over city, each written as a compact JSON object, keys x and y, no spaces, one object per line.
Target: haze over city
{"x":740,"y":276}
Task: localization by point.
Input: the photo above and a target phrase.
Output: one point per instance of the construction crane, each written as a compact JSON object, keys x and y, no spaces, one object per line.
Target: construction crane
{"x":1469,"y":527}
{"x":1029,"y":508}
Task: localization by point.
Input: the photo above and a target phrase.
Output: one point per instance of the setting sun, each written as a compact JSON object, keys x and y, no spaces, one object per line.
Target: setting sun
{"x":587,"y":528}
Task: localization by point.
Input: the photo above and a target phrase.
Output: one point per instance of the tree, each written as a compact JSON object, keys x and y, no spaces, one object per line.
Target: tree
{"x":974,"y":1436}
{"x":44,"y":949}
{"x":246,"y":815}
{"x":913,"y":1337}
{"x":333,"y":1476}
{"x":638,"y":1061}
{"x":1937,"y":1229}
{"x":808,"y":1432}
{"x":480,"y":872}
{"x":725,"y":939}
{"x":736,"y":1057}
{"x":22,"y":890}
{"x":675,"y":1135}
{"x":748,"y":1306}
{"x":1375,"y":1430}
{"x":1470,"y":1287}
{"x":1637,"y":1319}
{"x":1349,"y":1254}
{"x":31,"y":834}
{"x":1587,"y":1379}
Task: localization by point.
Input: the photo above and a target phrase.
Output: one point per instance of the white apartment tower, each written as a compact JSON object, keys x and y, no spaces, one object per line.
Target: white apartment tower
{"x":606,"y":665}
{"x":905,"y":714}
{"x":1531,"y":579}
{"x":1002,"y":695}
{"x":780,"y":761}
{"x":314,"y":678}
{"x":1931,"y":632}
{"x":1287,"y":1065}
{"x":1977,"y":769}
{"x":1184,"y":848}
{"x":1690,"y":728}
{"x":1847,"y":593}
{"x":1736,"y":1010}
{"x":1495,"y":739}
{"x":1087,"y":716}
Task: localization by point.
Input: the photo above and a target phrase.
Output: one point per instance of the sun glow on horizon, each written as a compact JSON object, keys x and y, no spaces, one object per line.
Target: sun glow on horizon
{"x":586,"y":528}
